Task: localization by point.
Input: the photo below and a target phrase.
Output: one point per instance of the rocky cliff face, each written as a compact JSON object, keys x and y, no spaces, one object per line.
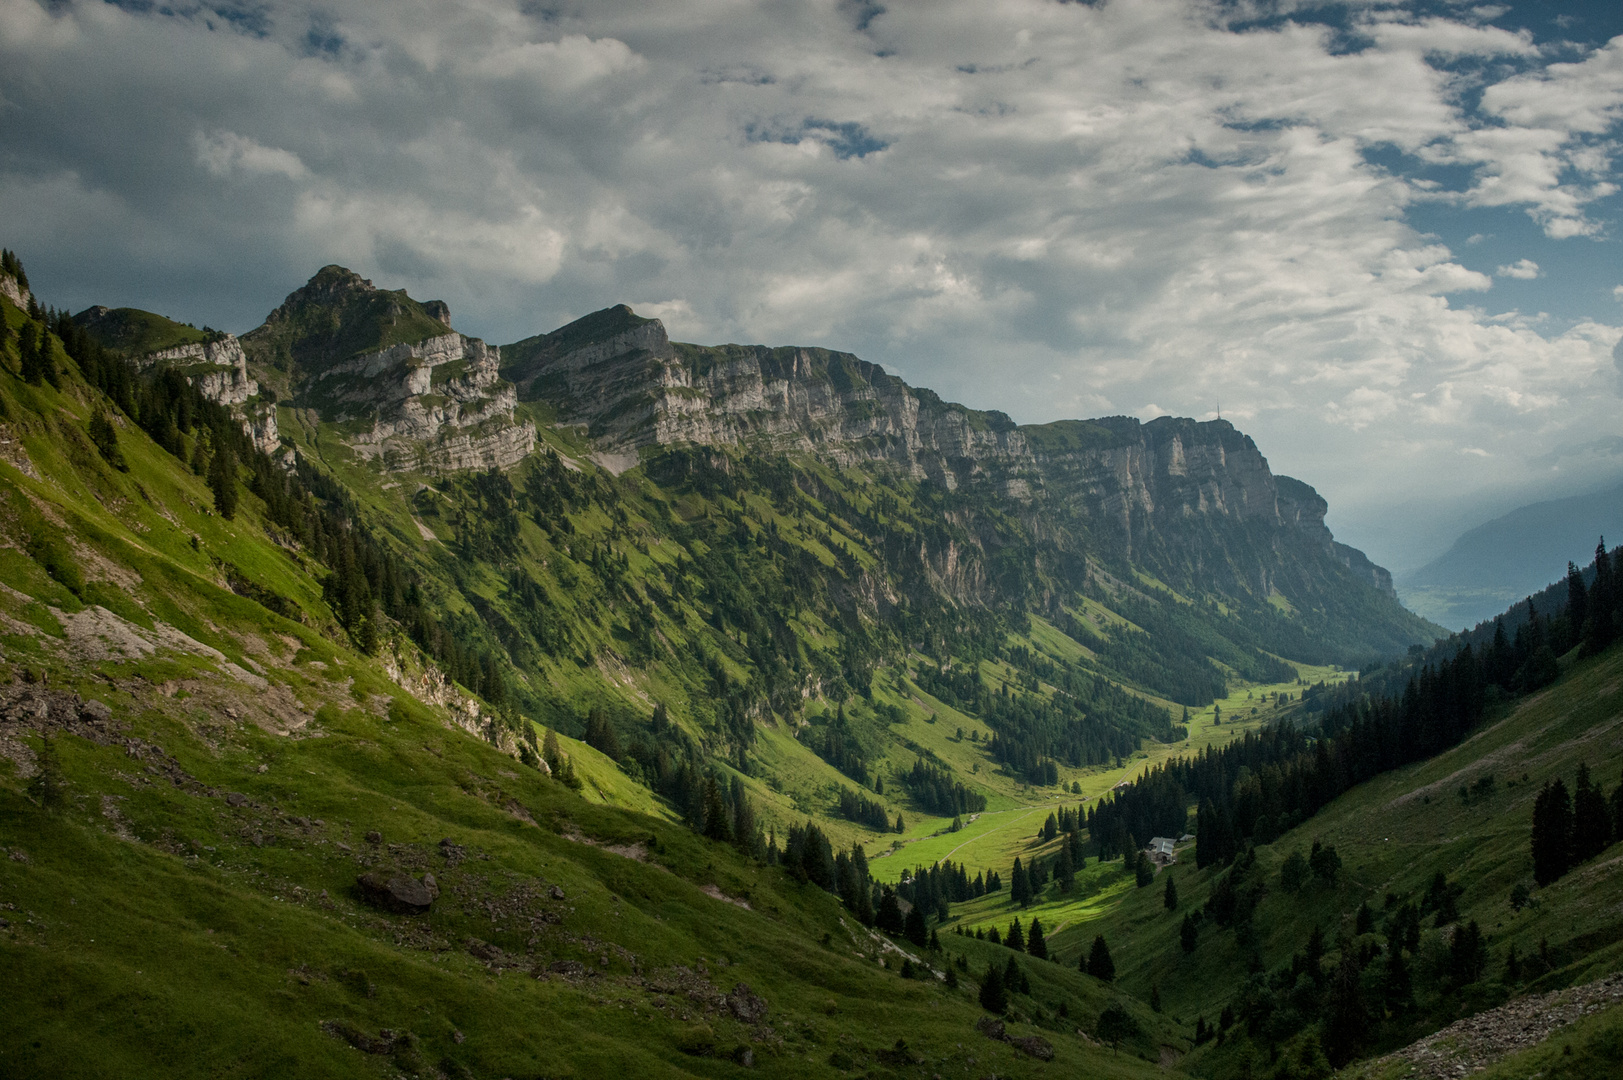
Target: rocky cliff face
{"x":409,"y":393}
{"x":211,"y":361}
{"x":1169,"y":490}
{"x":219,"y":369}
{"x":13,"y":290}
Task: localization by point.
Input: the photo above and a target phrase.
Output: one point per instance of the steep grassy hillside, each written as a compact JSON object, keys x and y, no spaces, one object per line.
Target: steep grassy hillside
{"x":198,"y":767}
{"x":1465,"y":813}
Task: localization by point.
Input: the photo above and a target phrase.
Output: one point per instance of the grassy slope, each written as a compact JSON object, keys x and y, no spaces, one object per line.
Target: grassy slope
{"x":1393,"y":833}
{"x":155,"y":928}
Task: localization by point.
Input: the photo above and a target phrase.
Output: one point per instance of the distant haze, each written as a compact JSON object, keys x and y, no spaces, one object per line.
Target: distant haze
{"x":1498,"y":563}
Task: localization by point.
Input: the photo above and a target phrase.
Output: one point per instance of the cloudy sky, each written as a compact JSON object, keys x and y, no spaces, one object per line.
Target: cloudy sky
{"x":1384,"y":236}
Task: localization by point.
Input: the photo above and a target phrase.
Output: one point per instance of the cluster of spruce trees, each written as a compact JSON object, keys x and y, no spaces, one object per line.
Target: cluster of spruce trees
{"x":1571,"y":828}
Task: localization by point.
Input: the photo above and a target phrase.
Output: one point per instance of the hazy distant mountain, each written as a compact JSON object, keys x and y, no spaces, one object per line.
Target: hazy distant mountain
{"x":1508,"y":558}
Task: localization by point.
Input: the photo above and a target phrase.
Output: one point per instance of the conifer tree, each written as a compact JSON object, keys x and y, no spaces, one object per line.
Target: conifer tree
{"x":1189,"y":933}
{"x":1598,"y":626}
{"x":223,"y":481}
{"x":901,"y":826}
{"x":31,"y":367}
{"x":994,"y":999}
{"x":1397,"y":989}
{"x":1015,"y":938}
{"x":1591,"y":819}
{"x":915,"y":928}
{"x":1467,"y":955}
{"x":1035,"y":945}
{"x":1014,"y":978}
{"x":1617,"y":811}
{"x":1144,"y":870}
{"x":889,"y":918}
{"x":1064,"y":869}
{"x":1577,"y":598}
{"x":1552,"y":832}
{"x":1098,"y":963}
{"x":1347,"y":1019}
{"x":105,"y":438}
{"x":717,"y":825}
{"x":1169,"y":897}
{"x":1019,"y":884}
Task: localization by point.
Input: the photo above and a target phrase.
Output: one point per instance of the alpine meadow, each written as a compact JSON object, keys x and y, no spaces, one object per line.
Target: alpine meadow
{"x":379,"y":702}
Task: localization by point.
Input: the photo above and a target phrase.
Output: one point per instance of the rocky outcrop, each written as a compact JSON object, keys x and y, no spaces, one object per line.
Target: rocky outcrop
{"x":435,"y":405}
{"x":407,"y":393}
{"x":218,"y":368}
{"x":1168,"y":490}
{"x":15,"y":291}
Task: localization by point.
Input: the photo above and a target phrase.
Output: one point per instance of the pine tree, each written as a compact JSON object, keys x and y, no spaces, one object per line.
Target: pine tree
{"x":1598,"y":626}
{"x":105,"y":438}
{"x":1019,"y":884}
{"x":1577,"y":598}
{"x":1144,"y":870}
{"x":31,"y":367}
{"x":1552,"y":832}
{"x":1617,"y":811}
{"x":1169,"y":897}
{"x":1035,"y":945}
{"x":1064,"y":869}
{"x":1347,"y":1019}
{"x":1591,"y":819}
{"x":223,"y":481}
{"x":1467,"y":954}
{"x":1099,"y":964}
{"x":717,"y":824}
{"x":901,"y":826}
{"x":994,"y":999}
{"x":915,"y":928}
{"x":1189,"y":933}
{"x":1015,"y":938}
{"x":889,"y":917}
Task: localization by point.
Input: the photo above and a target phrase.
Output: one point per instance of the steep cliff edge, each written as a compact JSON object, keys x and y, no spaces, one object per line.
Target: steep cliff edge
{"x":411,"y":391}
{"x":212,"y":361}
{"x":1195,"y":501}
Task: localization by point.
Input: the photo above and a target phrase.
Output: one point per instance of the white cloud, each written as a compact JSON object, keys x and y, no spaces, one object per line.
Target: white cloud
{"x":1524,"y":269}
{"x":223,"y":153}
{"x":1050,"y":209}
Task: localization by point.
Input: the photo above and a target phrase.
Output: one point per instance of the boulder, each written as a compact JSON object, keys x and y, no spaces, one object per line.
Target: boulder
{"x":746,"y":1005}
{"x":397,"y":892}
{"x":236,"y":798}
{"x":96,"y":712}
{"x":1034,"y":1045}
{"x":991,"y":1027}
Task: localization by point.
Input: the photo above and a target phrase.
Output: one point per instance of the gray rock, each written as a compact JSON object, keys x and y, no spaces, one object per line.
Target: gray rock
{"x":374,"y":837}
{"x":236,"y":798}
{"x":746,"y":1005}
{"x":96,"y":712}
{"x":567,"y":968}
{"x":397,"y":892}
{"x":556,"y":893}
{"x":1035,"y":1046}
{"x":992,"y":1028}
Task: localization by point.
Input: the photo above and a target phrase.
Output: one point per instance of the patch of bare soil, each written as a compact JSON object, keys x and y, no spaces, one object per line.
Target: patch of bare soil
{"x":1472,"y":1044}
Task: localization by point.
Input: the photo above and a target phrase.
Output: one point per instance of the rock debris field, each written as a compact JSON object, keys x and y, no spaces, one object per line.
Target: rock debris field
{"x":1476,"y":1042}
